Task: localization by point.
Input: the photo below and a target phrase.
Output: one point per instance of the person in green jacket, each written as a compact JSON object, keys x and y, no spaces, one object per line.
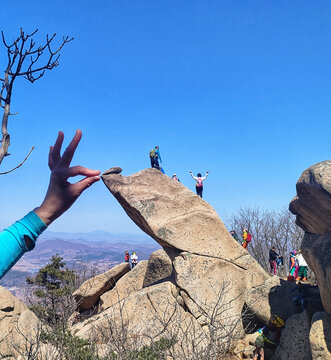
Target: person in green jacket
{"x":61,"y":194}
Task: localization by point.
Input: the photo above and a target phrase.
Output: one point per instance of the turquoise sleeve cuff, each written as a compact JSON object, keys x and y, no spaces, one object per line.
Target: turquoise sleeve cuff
{"x":12,"y":243}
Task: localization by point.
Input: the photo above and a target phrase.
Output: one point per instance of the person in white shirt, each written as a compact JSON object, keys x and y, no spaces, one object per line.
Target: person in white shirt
{"x":134,"y":259}
{"x":303,"y":268}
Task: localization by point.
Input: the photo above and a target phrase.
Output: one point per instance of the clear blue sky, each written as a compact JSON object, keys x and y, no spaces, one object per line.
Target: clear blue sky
{"x":239,"y":88}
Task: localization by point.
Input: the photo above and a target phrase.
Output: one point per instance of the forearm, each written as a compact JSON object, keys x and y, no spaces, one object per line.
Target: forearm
{"x":13,"y":240}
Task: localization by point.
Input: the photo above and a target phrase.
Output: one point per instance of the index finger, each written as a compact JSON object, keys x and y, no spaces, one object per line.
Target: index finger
{"x":70,"y":150}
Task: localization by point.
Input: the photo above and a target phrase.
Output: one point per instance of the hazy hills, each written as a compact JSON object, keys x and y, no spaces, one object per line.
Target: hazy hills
{"x":99,"y":250}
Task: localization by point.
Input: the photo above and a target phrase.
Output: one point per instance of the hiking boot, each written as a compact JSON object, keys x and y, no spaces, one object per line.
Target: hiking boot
{"x":298,"y":278}
{"x":304,"y":279}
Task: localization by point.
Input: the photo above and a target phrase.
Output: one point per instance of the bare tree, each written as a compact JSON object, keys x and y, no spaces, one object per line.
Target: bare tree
{"x":27,"y":60}
{"x":268,"y":228}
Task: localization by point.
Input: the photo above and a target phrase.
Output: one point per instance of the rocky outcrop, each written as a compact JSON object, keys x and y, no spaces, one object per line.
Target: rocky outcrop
{"x":312,"y":205}
{"x":19,"y":327}
{"x":316,"y":249}
{"x":147,"y":314}
{"x":210,"y":271}
{"x":88,"y":294}
{"x":127,"y":284}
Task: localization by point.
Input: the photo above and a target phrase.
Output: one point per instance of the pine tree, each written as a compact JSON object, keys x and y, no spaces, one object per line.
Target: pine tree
{"x":51,"y":291}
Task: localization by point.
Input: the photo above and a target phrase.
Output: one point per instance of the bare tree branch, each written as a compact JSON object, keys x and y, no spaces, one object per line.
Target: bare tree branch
{"x":16,"y":167}
{"x":25,"y":60}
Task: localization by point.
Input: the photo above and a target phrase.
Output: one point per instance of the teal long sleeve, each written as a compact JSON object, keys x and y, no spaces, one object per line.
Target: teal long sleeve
{"x":12,"y":243}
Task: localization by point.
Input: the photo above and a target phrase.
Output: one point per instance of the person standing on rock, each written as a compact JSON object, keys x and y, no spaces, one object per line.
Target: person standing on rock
{"x":247,"y":238}
{"x":175,"y":177}
{"x":273,"y":256}
{"x":154,"y":156}
{"x":293,"y":263}
{"x":199,"y":179}
{"x":126,"y":256}
{"x":235,"y":236}
{"x":303,"y":268}
{"x":134,"y":259}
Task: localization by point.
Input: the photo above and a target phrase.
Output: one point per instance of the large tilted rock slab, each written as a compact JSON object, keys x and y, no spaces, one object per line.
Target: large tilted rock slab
{"x":316,"y":249}
{"x":172,"y":214}
{"x":312,"y":205}
{"x":19,"y":327}
{"x":88,"y":294}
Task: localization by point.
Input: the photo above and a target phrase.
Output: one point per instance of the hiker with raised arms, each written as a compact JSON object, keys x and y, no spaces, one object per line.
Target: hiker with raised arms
{"x":61,"y":194}
{"x":199,"y":182}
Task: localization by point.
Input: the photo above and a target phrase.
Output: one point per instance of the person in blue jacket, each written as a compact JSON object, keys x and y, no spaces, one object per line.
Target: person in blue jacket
{"x":155,"y":156}
{"x":61,"y":194}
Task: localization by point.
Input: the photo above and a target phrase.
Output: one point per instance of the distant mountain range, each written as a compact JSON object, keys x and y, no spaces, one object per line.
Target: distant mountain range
{"x":99,"y":250}
{"x":98,"y":236}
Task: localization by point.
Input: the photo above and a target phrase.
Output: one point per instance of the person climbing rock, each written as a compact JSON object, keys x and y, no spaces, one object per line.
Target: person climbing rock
{"x":259,"y":348}
{"x":199,"y":182}
{"x":303,"y":268}
{"x":134,"y":259}
{"x":154,"y":156}
{"x":175,"y":177}
{"x":273,"y":256}
{"x":272,"y":331}
{"x":235,"y":236}
{"x":126,"y":256}
{"x":300,"y":299}
{"x":247,"y":238}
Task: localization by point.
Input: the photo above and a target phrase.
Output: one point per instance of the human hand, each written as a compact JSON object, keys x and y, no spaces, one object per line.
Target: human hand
{"x":61,"y":194}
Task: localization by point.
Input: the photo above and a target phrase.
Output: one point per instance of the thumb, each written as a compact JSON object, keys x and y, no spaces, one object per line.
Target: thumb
{"x":84,"y":184}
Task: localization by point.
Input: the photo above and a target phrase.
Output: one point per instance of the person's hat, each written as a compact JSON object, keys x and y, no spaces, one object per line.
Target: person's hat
{"x":174,"y":175}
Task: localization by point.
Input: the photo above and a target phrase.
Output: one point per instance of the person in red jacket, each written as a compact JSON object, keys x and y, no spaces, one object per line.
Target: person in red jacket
{"x":247,"y":237}
{"x":126,"y":256}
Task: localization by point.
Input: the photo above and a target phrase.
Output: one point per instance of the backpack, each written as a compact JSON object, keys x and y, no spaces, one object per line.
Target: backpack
{"x":259,"y":341}
{"x":199,"y":182}
{"x":152,"y":154}
{"x":249,"y":237}
{"x":127,"y":257}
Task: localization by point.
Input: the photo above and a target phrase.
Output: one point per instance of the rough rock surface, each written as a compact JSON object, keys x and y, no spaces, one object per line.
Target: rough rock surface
{"x":172,"y":214}
{"x":19,"y":327}
{"x":90,"y":291}
{"x":127,"y":284}
{"x":150,"y":313}
{"x":320,"y":336}
{"x":208,"y":267}
{"x":159,"y":268}
{"x":263,"y":300}
{"x":312,"y":205}
{"x":316,"y":249}
{"x":294,"y":341}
